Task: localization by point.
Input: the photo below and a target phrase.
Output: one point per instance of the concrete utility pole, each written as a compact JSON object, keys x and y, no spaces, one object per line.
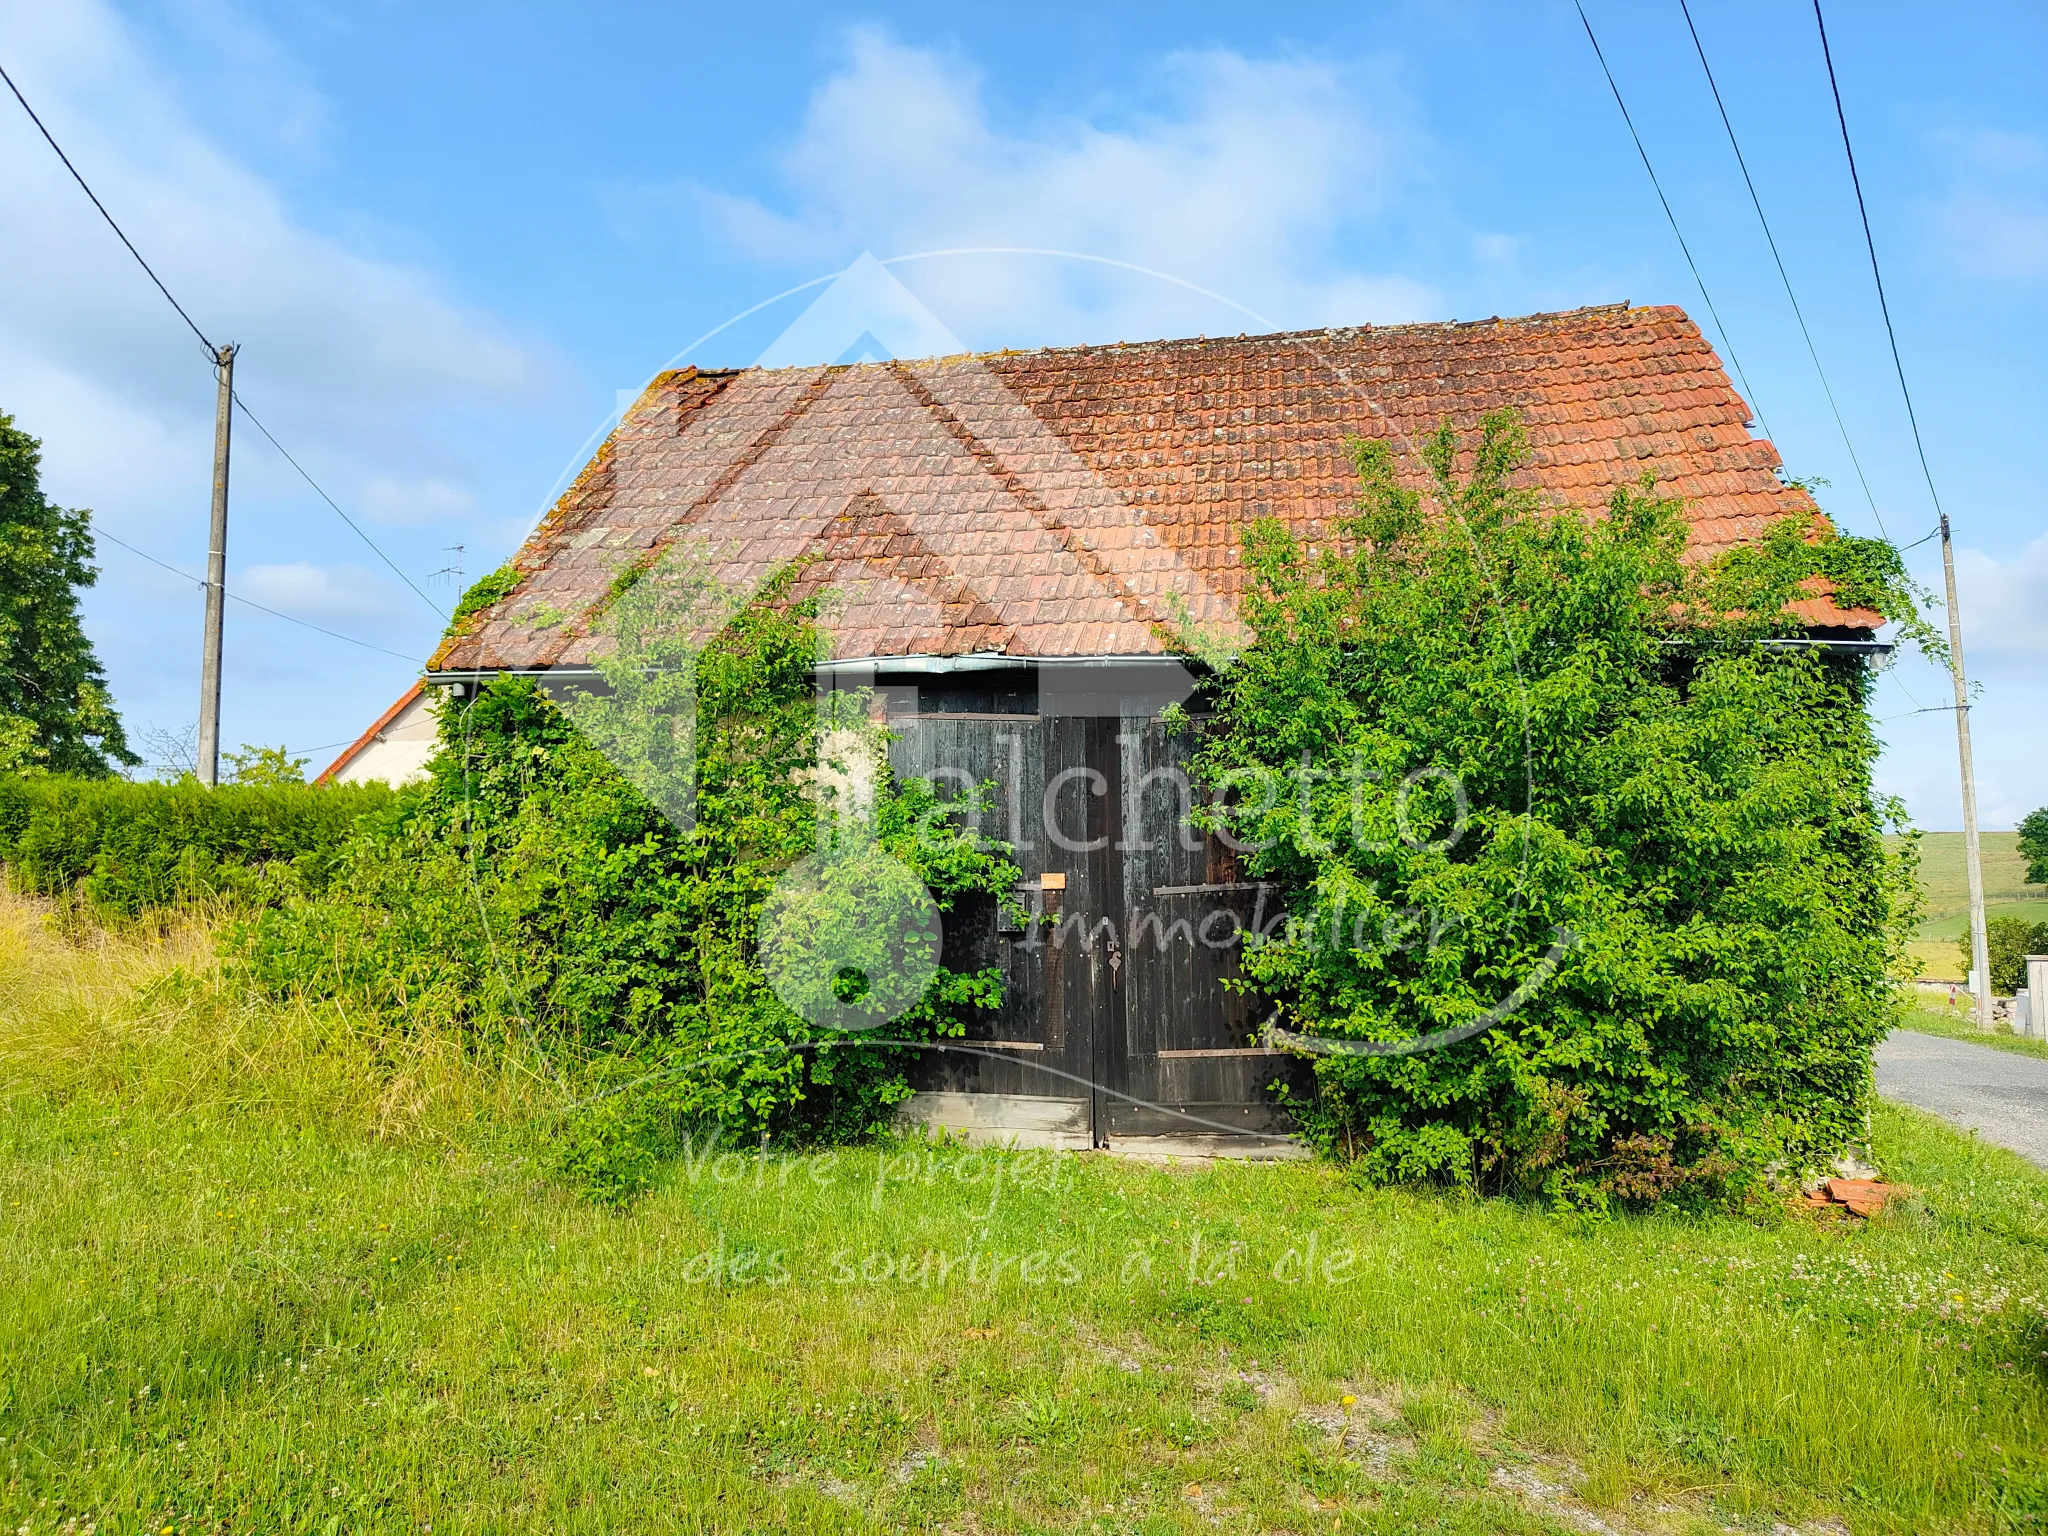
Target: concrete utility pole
{"x":217,"y":574}
{"x":1980,"y":953}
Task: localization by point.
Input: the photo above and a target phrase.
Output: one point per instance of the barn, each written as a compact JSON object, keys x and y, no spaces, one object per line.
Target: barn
{"x":1009,"y":539}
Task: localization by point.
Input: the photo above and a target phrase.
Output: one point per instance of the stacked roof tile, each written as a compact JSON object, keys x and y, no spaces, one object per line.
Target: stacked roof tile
{"x":1072,"y":501}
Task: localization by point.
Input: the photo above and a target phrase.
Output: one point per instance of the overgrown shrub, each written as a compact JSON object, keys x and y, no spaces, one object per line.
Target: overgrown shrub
{"x":528,"y":887}
{"x":2009,"y":940}
{"x":1477,"y":736}
{"x":124,"y":848}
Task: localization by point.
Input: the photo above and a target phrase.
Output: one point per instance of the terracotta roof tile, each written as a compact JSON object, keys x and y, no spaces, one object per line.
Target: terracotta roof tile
{"x":1061,"y":501}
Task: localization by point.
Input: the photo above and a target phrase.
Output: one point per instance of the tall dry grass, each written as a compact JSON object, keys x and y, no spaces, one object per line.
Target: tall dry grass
{"x":146,"y":1016}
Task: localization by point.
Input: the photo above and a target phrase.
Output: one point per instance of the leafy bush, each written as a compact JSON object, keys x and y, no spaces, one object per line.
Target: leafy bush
{"x":1508,"y":737}
{"x":527,"y":887}
{"x":123,"y":848}
{"x":2009,"y":940}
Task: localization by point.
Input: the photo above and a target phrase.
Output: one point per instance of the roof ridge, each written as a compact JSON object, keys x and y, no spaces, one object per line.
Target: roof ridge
{"x":1534,"y":321}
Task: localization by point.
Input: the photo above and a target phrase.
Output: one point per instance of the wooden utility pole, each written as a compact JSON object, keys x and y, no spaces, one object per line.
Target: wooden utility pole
{"x":217,"y":572}
{"x":1980,"y":953}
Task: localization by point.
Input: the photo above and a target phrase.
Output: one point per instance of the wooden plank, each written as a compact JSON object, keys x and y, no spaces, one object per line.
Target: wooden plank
{"x":1235,"y":1118}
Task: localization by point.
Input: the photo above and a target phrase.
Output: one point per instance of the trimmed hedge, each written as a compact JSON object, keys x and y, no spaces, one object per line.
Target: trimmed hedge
{"x":124,"y":848}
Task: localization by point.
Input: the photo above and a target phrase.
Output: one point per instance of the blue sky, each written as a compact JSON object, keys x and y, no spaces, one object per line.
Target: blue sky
{"x":448,"y":235}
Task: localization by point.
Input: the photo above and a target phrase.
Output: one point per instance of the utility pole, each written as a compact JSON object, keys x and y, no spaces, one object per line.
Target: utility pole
{"x":1980,"y":953}
{"x":217,"y":573}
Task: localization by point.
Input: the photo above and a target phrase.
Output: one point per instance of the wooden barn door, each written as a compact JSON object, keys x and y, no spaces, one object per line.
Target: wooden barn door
{"x":1188,"y":1063}
{"x":1031,"y":1068}
{"x":1115,"y":1020}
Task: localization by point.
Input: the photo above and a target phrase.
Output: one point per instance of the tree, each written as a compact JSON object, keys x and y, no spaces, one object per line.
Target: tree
{"x":2007,"y":943}
{"x":265,"y":765}
{"x":2034,"y":846}
{"x":55,"y":712}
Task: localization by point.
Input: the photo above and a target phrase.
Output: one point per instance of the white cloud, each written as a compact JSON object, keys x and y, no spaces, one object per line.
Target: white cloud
{"x":391,"y":391}
{"x":1994,"y":238}
{"x":321,"y":594}
{"x":1242,"y":184}
{"x":348,"y":358}
{"x":2005,"y":609}
{"x":1496,"y":249}
{"x":2005,"y":648}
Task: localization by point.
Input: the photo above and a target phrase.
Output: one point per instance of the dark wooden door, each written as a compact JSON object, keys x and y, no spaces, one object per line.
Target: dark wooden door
{"x":1031,"y":1066}
{"x":1189,"y":1062}
{"x":1115,"y":1020}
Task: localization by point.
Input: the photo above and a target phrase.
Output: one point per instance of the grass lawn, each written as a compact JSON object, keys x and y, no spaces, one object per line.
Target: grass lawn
{"x":265,"y":1272}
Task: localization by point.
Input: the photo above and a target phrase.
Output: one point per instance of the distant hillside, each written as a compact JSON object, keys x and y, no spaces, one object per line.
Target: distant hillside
{"x":2006,"y":894}
{"x":1947,"y":887}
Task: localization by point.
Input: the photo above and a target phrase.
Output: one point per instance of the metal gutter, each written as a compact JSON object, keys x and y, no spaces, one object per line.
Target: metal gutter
{"x":916,"y":666}
{"x":1811,"y":643}
{"x":998,"y":661}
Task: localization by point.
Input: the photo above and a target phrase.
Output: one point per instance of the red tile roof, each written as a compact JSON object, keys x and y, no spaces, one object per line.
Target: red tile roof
{"x":1063,"y":502}
{"x":356,"y":747}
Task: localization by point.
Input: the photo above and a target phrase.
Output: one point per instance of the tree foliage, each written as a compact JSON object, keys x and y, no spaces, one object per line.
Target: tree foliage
{"x":2034,"y":846}
{"x":489,"y":588}
{"x":55,"y":712}
{"x":1477,"y":738}
{"x":264,"y":765}
{"x":2007,"y":942}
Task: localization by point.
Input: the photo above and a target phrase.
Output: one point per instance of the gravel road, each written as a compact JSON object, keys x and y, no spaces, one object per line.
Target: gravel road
{"x":2000,"y":1095}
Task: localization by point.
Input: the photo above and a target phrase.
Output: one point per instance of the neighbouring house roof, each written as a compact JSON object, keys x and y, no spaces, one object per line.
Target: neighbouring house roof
{"x":1065,"y":502}
{"x":394,"y":749}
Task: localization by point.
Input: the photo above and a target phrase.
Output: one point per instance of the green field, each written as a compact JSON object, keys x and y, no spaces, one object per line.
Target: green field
{"x":268,"y":1272}
{"x":1947,"y":895}
{"x":1943,"y":878}
{"x":1952,"y":927}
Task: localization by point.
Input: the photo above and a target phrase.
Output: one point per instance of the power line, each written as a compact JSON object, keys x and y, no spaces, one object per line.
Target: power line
{"x":1726,"y":341}
{"x":243,"y":406}
{"x":212,"y":352}
{"x":1871,"y":245}
{"x":1784,"y":277}
{"x":332,"y":634}
{"x":1972,"y":859}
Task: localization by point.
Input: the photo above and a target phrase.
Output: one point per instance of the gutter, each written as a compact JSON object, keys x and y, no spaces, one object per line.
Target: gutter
{"x":1812,"y":643}
{"x":1000,"y":661}
{"x":913,"y":666}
